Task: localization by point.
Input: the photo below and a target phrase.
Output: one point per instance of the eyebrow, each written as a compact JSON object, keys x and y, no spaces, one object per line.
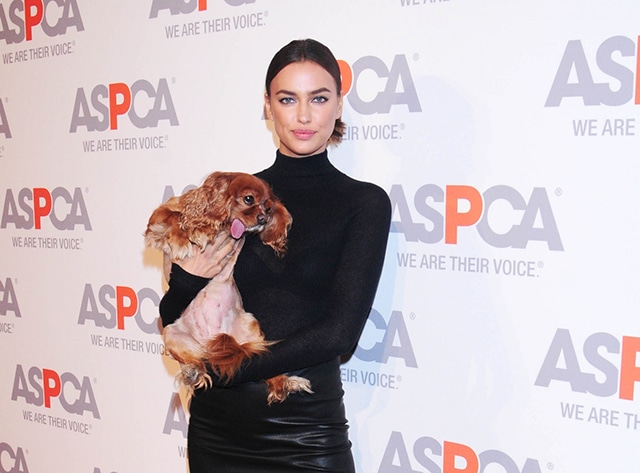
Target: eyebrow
{"x":313,"y":92}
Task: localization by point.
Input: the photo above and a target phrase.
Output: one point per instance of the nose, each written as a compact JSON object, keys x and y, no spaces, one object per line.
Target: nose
{"x":262,"y":219}
{"x":304,"y":113}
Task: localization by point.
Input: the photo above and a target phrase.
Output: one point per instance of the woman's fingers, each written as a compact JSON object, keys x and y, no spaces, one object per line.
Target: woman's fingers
{"x":211,"y":261}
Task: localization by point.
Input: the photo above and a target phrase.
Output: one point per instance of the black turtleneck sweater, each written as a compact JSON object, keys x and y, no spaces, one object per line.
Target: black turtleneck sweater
{"x":316,"y":299}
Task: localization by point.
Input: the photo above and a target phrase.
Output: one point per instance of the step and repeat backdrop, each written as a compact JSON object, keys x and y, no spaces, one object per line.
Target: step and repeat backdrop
{"x":505,"y":334}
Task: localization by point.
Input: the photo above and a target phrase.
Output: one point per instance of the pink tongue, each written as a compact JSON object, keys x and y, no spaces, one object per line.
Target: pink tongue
{"x":237,"y":229}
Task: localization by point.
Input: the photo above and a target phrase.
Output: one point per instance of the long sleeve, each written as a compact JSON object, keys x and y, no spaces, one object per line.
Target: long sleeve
{"x":316,"y":299}
{"x":354,"y":226}
{"x":183,"y":287}
{"x":349,"y":294}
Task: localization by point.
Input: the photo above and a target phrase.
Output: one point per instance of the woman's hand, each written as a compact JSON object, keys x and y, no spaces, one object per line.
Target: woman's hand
{"x":212,"y":261}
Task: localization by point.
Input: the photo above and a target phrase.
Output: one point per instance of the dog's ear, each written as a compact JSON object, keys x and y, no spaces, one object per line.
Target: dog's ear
{"x":275,"y":233}
{"x":208,"y":207}
{"x":160,"y":223}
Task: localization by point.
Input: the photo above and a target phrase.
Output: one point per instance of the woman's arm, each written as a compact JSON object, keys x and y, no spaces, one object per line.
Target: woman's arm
{"x":190,"y":275}
{"x":350,"y":299}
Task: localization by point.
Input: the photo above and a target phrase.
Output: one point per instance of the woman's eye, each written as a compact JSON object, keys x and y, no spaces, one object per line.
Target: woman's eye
{"x":248,"y":199}
{"x":320,"y":99}
{"x":286,"y":100}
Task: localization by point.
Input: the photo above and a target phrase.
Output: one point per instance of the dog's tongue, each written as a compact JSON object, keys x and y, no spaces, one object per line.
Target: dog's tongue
{"x":237,"y":229}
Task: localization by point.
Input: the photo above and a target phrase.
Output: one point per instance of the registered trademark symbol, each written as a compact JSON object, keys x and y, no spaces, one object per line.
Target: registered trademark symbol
{"x":416,"y":56}
{"x":412,"y":316}
{"x":173,"y":80}
{"x":550,"y":466}
{"x":86,"y":190}
{"x":166,"y":137}
{"x":95,"y":380}
{"x":402,"y":126}
{"x":399,"y":378}
{"x":266,"y":13}
{"x":540,"y":264}
{"x":558,"y":191}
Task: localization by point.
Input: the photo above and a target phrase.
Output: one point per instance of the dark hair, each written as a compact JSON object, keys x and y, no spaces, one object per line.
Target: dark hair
{"x":301,"y":50}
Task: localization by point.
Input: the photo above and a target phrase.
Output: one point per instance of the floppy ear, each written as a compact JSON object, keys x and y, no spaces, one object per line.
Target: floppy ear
{"x":275,"y":233}
{"x":162,"y":220}
{"x":207,"y":208}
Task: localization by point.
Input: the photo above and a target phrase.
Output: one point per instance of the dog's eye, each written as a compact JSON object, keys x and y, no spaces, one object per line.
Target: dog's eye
{"x":248,"y":199}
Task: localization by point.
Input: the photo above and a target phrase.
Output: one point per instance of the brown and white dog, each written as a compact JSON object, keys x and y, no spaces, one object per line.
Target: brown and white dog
{"x":214,"y":329}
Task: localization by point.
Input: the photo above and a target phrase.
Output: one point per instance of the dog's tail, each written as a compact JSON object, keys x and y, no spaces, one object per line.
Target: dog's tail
{"x":225,"y":355}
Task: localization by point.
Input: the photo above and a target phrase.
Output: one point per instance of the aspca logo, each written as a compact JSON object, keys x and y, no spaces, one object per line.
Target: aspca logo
{"x":357,"y":85}
{"x":615,"y":58}
{"x":448,"y":210}
{"x":446,"y":457}
{"x":176,"y":419}
{"x":4,"y":123}
{"x":54,"y":17}
{"x":12,"y":461}
{"x":62,"y":208}
{"x":41,"y":386}
{"x":111,"y":306}
{"x":609,"y":366}
{"x":144,"y":104}
{"x":389,"y":340}
{"x":8,"y":298}
{"x":183,"y":7}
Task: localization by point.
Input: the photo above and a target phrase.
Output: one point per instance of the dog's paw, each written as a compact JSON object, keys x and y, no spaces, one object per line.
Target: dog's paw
{"x":281,"y":386}
{"x":193,"y":377}
{"x":297,"y":384}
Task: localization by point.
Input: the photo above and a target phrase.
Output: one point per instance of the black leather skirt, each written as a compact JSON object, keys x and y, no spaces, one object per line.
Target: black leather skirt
{"x":235,"y":430}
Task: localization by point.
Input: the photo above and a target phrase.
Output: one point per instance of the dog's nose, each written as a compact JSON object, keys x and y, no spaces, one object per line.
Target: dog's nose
{"x":262,"y":219}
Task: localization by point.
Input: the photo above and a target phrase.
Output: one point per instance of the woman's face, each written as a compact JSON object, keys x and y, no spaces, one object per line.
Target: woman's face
{"x":304,"y":105}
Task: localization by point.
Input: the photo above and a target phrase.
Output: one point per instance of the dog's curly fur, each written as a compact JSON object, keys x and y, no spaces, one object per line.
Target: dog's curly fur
{"x":226,"y":202}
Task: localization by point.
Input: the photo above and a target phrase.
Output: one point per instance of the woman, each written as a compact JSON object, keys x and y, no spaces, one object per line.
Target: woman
{"x":315,"y":300}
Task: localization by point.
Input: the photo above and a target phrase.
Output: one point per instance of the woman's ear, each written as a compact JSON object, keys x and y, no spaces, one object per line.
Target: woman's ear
{"x":340,"y":102}
{"x":267,"y":107}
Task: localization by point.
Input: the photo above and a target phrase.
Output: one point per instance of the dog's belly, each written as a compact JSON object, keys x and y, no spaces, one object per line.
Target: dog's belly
{"x":213,"y":311}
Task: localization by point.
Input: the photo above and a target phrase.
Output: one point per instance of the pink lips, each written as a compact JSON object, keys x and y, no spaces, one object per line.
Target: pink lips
{"x":303,"y":134}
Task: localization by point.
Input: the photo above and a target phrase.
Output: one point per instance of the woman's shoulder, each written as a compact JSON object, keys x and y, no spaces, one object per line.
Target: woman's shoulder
{"x":365,"y":188}
{"x":367,"y":197}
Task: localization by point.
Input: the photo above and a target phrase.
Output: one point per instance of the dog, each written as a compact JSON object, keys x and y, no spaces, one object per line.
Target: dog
{"x":231,"y":202}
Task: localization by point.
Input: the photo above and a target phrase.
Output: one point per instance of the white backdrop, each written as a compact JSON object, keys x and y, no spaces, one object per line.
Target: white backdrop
{"x":505,"y":333}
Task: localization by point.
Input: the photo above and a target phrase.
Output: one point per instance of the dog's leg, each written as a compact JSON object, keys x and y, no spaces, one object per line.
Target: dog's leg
{"x":246,"y":330}
{"x":189,"y":353}
{"x":281,"y":386}
{"x":194,"y":377}
{"x":225,"y":355}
